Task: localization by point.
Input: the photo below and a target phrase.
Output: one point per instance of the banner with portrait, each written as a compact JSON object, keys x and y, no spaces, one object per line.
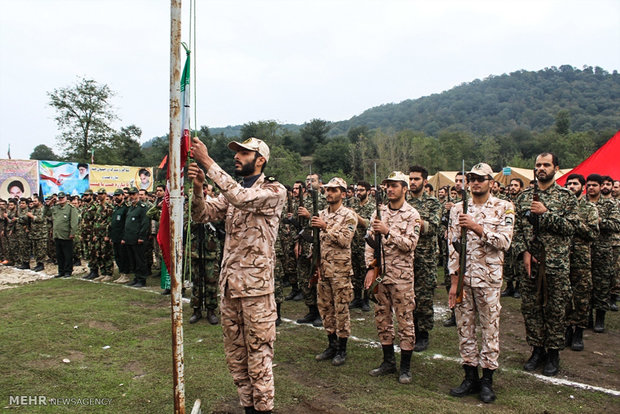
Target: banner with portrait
{"x":18,"y":178}
{"x":69,"y":177}
{"x":111,"y":177}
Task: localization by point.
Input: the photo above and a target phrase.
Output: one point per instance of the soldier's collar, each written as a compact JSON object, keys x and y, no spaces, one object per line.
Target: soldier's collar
{"x":249,"y":181}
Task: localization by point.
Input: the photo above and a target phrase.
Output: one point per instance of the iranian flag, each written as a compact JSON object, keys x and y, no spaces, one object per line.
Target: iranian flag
{"x":163,"y":235}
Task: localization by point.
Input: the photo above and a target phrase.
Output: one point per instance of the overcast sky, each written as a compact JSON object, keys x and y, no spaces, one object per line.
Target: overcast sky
{"x":290,"y":61}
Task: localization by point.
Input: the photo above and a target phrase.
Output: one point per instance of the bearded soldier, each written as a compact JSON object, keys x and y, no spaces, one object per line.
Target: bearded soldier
{"x":510,"y":267}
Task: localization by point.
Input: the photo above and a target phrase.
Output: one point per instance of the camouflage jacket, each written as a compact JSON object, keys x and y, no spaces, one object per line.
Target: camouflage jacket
{"x":11,"y":221}
{"x":22,"y":227}
{"x":609,"y":221}
{"x":306,"y":239}
{"x":87,"y":223}
{"x":399,"y":246}
{"x":336,"y":242}
{"x":252,"y":217}
{"x":38,"y":225}
{"x":485,"y":255}
{"x":430,"y":213}
{"x":365,"y":211}
{"x":102,"y":219}
{"x":586,"y":231}
{"x":556,"y":227}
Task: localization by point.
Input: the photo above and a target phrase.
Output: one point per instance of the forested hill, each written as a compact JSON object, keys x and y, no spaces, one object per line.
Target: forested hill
{"x":499,"y":104}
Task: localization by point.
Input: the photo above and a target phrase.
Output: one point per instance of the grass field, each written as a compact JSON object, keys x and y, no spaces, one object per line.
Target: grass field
{"x":48,"y":321}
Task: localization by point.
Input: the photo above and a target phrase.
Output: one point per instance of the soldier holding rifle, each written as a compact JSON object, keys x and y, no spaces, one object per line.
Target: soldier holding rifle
{"x":475,"y":267}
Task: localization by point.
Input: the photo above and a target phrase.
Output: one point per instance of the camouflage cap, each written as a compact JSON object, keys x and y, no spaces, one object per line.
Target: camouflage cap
{"x":101,"y":191}
{"x":251,"y":144}
{"x":482,"y":170}
{"x":88,"y":192}
{"x":397,"y":176}
{"x":336,"y":182}
{"x":118,"y":191}
{"x":133,"y":190}
{"x":62,"y":194}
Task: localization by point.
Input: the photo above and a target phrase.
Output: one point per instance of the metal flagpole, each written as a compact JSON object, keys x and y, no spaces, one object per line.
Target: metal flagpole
{"x":176,"y":210}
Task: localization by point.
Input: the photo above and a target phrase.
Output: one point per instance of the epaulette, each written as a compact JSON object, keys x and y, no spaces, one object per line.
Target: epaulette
{"x":142,"y":205}
{"x":271,"y":179}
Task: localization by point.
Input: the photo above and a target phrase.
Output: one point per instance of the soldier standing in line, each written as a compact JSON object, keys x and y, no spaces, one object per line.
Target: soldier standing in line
{"x":611,"y":190}
{"x":150,"y":241}
{"x":21,"y":233}
{"x":49,"y":226}
{"x":101,"y":238}
{"x":11,"y":223}
{"x":88,"y":219}
{"x":293,"y":269}
{"x":511,"y":276}
{"x":136,"y":231}
{"x":602,"y":249}
{"x":65,"y":218}
{"x":425,"y":265}
{"x":303,"y":252}
{"x":337,"y":225}
{"x":363,"y":210}
{"x":252,"y":212}
{"x":580,"y":265}
{"x":399,"y":229}
{"x":77,"y":241}
{"x":117,"y":228}
{"x":204,"y":272}
{"x":543,"y":235}
{"x":4,"y":251}
{"x":489,"y":225}
{"x":38,"y":233}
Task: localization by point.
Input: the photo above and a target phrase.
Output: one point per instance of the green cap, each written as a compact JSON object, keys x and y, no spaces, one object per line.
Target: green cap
{"x":62,"y":194}
{"x":88,"y":192}
{"x":101,"y":191}
{"x":118,"y":191}
{"x":133,"y":190}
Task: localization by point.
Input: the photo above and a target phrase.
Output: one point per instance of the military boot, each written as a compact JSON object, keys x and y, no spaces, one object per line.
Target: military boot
{"x":451,"y":321}
{"x":568,"y":336}
{"x":509,"y":291}
{"x":39,"y":267}
{"x":278,"y":320}
{"x":123,"y":279}
{"x":365,"y":303}
{"x":553,"y":363}
{"x":92,"y":275}
{"x":24,"y":266}
{"x":405,"y":367}
{"x":577,"y":344}
{"x":196,"y":316}
{"x":99,"y":278}
{"x":612,"y":302}
{"x":470,"y":385}
{"x":486,"y":383}
{"x":516,"y":294}
{"x":313,"y":313}
{"x":331,"y":349}
{"x":590,"y":320}
{"x":357,"y":299}
{"x":421,"y":341}
{"x":536,"y":359}
{"x":388,"y":366}
{"x":599,"y":324}
{"x":293,"y":293}
{"x":341,"y":354}
{"x":212,"y":317}
{"x":318,"y":322}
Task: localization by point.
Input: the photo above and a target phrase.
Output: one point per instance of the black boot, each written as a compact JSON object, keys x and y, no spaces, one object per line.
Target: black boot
{"x":451,"y":321}
{"x":536,"y":360}
{"x":599,"y":324}
{"x":331,"y":349}
{"x":212,"y":317}
{"x":516,"y":294}
{"x":341,"y":354}
{"x":388,"y":366}
{"x":590,"y":320}
{"x":421,"y":341}
{"x":24,"y":266}
{"x":612,"y":302}
{"x":553,"y":363}
{"x":312,"y":314}
{"x":365,"y":302}
{"x":279,"y":320}
{"x":318,"y":322}
{"x":93,"y":274}
{"x":405,"y":367}
{"x":357,"y":299}
{"x":470,"y":385}
{"x":293,"y":293}
{"x":568,"y":336}
{"x":39,"y":267}
{"x":510,"y":290}
{"x":577,"y":344}
{"x":249,"y":410}
{"x":196,"y":316}
{"x":486,"y":383}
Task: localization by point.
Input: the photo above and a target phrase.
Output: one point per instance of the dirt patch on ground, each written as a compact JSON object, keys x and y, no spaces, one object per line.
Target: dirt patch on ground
{"x":136,"y":369}
{"x":11,"y":277}
{"x":106,"y":326}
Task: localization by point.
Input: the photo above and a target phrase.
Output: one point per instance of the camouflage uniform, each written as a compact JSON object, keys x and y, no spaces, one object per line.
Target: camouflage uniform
{"x":443,"y":229}
{"x":615,"y":287}
{"x":150,"y":241}
{"x":21,"y":233}
{"x":38,"y":234}
{"x":4,"y":251}
{"x":88,"y":220}
{"x":358,"y":245}
{"x":581,"y":266}
{"x":482,"y":281}
{"x":51,"y":245}
{"x":104,"y":253}
{"x":247,"y":303}
{"x":334,"y":290}
{"x":11,"y":223}
{"x":425,"y":260}
{"x":396,"y":291}
{"x":602,"y":253}
{"x":511,"y":275}
{"x":204,"y":269}
{"x":545,"y":325}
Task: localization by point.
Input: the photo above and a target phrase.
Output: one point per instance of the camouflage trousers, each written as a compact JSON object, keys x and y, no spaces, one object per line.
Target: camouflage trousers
{"x":38,"y":249}
{"x":289,"y":264}
{"x":304,"y":265}
{"x":401,"y":299}
{"x":333,"y":297}
{"x":77,"y":249}
{"x":545,"y":325}
{"x":359,"y":269}
{"x":23,"y":248}
{"x":13,"y":248}
{"x":578,"y":308}
{"x":249,"y":330}
{"x":102,"y":256}
{"x":4,"y":248}
{"x":148,"y":253}
{"x":51,"y":248}
{"x":510,"y":274}
{"x":425,"y":281}
{"x":484,"y":303}
{"x":278,"y":276}
{"x":204,"y":286}
{"x":615,"y":287}
{"x":602,"y":276}
{"x":90,"y":253}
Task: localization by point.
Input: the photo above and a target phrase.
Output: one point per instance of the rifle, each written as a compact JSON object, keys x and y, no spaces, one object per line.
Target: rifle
{"x":541,"y":282}
{"x":378,"y":264}
{"x":201,"y":265}
{"x":290,"y":221}
{"x":315,"y":267}
{"x":463,"y":246}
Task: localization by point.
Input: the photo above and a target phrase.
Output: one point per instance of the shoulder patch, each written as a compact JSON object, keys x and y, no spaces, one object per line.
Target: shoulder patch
{"x":509,"y":220}
{"x":510,"y":211}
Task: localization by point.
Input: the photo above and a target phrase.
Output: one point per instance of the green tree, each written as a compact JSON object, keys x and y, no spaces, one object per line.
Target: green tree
{"x":285,"y":165}
{"x":83,"y":115}
{"x":562,"y":122}
{"x":333,"y":156}
{"x":123,"y":148}
{"x":43,"y":152}
{"x":313,"y":134}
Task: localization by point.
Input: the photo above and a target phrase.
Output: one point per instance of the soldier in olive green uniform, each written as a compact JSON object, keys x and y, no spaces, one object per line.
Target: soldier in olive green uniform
{"x":204,"y":272}
{"x":510,"y":263}
{"x":21,"y":233}
{"x":117,"y":227}
{"x":101,"y":240}
{"x":543,"y":232}
{"x":88,"y":218}
{"x":136,"y":231}
{"x":295,"y":226}
{"x":9,"y":230}
{"x":65,"y":219}
{"x":425,"y":258}
{"x":150,"y":241}
{"x":38,"y":233}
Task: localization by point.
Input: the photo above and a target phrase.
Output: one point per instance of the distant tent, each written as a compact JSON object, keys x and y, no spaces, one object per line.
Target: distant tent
{"x":525,"y":174}
{"x":604,"y":161}
{"x":442,"y":178}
